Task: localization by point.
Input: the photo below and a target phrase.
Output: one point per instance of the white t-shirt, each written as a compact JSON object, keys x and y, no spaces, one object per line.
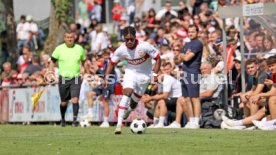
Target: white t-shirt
{"x":139,"y":58}
{"x":170,"y":85}
{"x":210,"y":82}
{"x":33,"y":27}
{"x":22,"y":31}
{"x":99,"y":39}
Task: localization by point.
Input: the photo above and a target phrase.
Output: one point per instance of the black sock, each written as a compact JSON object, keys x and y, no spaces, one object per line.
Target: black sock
{"x":62,"y":111}
{"x":75,"y":111}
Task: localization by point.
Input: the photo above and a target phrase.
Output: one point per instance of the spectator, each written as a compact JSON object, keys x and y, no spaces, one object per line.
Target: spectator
{"x":191,"y":57}
{"x":257,"y":99}
{"x":96,"y":12}
{"x":33,"y":30}
{"x":22,"y":34}
{"x":269,"y":47}
{"x":100,"y":90}
{"x":34,"y":66}
{"x":99,"y":40}
{"x":152,"y":23}
{"x":167,"y":10}
{"x":117,"y":11}
{"x":259,"y":78}
{"x":82,"y":13}
{"x":209,"y":89}
{"x":7,"y":73}
{"x":168,"y":93}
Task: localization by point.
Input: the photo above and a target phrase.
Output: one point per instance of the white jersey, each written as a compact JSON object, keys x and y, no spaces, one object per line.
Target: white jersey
{"x":170,"y":85}
{"x":139,"y":59}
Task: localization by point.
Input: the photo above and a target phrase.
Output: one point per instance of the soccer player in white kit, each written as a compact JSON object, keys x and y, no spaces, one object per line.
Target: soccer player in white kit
{"x":139,"y":56}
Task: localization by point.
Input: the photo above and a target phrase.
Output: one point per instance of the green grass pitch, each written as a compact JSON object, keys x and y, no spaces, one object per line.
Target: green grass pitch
{"x":54,"y":140}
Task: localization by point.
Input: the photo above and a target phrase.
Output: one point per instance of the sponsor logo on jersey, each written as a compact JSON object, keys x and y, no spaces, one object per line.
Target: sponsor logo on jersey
{"x":139,"y":60}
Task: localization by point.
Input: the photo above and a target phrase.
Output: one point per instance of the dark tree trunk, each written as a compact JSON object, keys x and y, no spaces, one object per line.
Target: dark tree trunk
{"x":11,"y":27}
{"x":56,"y":30}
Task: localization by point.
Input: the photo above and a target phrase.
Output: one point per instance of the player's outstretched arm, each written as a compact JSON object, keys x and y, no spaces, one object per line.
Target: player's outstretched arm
{"x":109,"y":68}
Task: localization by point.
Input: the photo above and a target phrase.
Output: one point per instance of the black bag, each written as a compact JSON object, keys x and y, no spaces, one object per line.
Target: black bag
{"x":207,"y":115}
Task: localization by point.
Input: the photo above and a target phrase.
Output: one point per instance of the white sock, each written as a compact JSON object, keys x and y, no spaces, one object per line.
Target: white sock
{"x":238,"y":123}
{"x":155,"y":120}
{"x":90,"y":111}
{"x":161,"y":120}
{"x":105,"y":119}
{"x":123,"y":106}
{"x":196,"y":120}
{"x":192,"y":119}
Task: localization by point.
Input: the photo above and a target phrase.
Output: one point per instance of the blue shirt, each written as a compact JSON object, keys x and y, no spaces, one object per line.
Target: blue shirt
{"x":193,"y":66}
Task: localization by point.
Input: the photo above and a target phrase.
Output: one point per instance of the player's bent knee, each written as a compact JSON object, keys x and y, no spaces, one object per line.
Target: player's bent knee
{"x":75,"y":100}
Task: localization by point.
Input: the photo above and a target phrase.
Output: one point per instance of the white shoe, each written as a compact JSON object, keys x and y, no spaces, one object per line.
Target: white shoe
{"x":118,"y":130}
{"x":268,"y":127}
{"x":104,"y":125}
{"x":174,"y":125}
{"x":228,"y":121}
{"x":263,"y":125}
{"x":223,"y":125}
{"x":251,"y":128}
{"x":151,"y":126}
{"x":192,"y":125}
{"x":159,"y":126}
{"x":86,"y":117}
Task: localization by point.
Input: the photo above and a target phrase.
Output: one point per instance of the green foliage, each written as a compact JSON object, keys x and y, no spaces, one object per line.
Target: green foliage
{"x":62,"y":10}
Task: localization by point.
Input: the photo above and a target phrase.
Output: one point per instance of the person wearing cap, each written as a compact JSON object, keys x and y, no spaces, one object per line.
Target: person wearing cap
{"x":237,"y":76}
{"x":33,"y":30}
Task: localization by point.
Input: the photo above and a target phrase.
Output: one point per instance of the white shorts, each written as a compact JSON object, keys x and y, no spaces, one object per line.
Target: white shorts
{"x":137,"y":81}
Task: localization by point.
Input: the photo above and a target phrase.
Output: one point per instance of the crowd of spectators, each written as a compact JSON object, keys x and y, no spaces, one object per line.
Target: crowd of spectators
{"x":167,"y":29}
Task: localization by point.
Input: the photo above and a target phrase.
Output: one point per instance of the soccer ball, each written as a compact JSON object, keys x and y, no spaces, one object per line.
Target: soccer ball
{"x":138,"y":126}
{"x":218,"y":113}
{"x":85,"y":123}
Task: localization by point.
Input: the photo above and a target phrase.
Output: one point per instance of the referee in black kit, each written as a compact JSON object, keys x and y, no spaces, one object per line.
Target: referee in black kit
{"x":69,"y":57}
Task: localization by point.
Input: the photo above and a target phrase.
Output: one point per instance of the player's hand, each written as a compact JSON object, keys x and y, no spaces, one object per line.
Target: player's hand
{"x":146,"y":99}
{"x":243,"y":98}
{"x":268,"y":82}
{"x":254,"y":99}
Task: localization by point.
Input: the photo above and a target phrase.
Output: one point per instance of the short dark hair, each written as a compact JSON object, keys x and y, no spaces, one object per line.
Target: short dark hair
{"x":191,"y":26}
{"x":129,"y":30}
{"x":68,"y":31}
{"x":271,"y":60}
{"x":251,"y":61}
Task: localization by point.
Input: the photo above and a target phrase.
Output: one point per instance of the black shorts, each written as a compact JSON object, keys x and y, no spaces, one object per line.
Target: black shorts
{"x":69,"y":88}
{"x":105,"y":92}
{"x":190,"y":86}
{"x":171,"y":104}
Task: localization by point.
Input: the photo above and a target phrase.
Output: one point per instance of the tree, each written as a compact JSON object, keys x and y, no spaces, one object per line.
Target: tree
{"x":10,"y":28}
{"x":59,"y":21}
